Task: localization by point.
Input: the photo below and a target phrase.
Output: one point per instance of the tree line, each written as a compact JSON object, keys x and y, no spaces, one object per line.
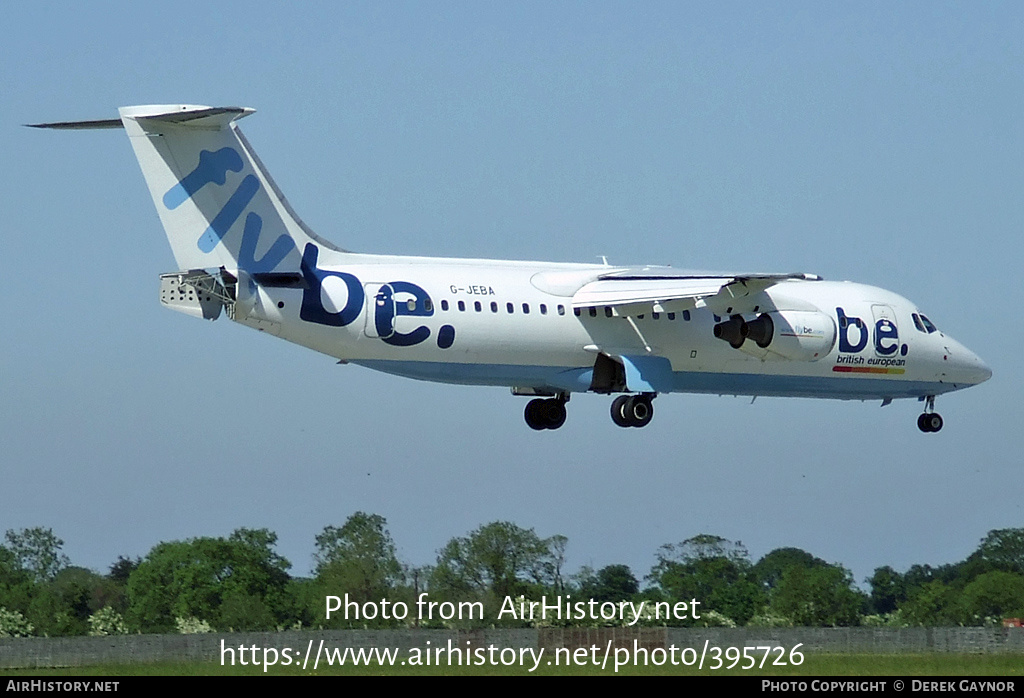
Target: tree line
{"x":239,"y":583}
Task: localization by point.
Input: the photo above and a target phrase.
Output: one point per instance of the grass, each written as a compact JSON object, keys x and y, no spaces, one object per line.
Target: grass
{"x":1007,"y":665}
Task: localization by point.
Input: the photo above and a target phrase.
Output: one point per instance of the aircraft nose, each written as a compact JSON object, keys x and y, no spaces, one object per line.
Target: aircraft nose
{"x":968,"y":366}
{"x":982,"y":371}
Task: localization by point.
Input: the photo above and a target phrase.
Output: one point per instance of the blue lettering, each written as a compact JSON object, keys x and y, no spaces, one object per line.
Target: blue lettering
{"x":388,"y":311}
{"x":845,"y":322}
{"x":885,"y":329}
{"x":212,"y":167}
{"x":281,"y":248}
{"x":384,"y":313}
{"x":386,"y":308}
{"x":312,"y":309}
{"x":445,"y":336}
{"x":223,"y":221}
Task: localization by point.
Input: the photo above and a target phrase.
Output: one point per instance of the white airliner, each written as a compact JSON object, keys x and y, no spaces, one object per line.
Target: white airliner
{"x":545,"y":330}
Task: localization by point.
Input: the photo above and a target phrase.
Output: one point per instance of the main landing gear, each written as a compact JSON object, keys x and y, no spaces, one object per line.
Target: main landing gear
{"x":627,"y":411}
{"x":633,"y":410}
{"x":929,"y":421}
{"x":546,"y":414}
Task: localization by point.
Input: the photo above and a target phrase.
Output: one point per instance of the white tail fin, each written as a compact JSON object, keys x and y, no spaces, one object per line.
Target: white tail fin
{"x":217,"y":204}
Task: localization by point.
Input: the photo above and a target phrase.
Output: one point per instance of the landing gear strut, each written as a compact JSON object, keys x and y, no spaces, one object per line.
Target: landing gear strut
{"x":546,"y":414}
{"x":633,"y":410}
{"x":929,"y":421}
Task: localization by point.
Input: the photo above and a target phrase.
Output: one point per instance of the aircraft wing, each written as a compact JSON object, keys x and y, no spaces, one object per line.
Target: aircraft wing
{"x":632,"y":291}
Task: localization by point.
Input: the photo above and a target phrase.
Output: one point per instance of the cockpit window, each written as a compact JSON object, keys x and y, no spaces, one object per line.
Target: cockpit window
{"x":923,"y":324}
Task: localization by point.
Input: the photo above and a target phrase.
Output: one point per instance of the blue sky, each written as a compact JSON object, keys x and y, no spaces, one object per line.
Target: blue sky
{"x":874,"y":142}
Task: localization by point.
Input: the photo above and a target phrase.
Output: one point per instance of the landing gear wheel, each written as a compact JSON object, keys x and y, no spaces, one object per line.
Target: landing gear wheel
{"x":545,"y":414}
{"x":639,"y":411}
{"x":632,"y":410}
{"x":534,"y":415}
{"x":554,"y":413}
{"x":619,"y":410}
{"x":929,"y":422}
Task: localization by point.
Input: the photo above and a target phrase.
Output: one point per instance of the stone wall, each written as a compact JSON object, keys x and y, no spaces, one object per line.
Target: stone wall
{"x":124,"y":649}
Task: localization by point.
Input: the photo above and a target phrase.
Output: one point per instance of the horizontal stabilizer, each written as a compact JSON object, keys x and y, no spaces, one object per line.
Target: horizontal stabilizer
{"x":80,"y":125}
{"x":182,"y":115}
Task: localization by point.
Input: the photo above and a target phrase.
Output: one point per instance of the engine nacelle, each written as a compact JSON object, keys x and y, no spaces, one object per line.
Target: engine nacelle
{"x":796,"y":335}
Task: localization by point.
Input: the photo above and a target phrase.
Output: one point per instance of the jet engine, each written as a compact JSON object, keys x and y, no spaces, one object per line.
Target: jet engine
{"x":796,"y":335}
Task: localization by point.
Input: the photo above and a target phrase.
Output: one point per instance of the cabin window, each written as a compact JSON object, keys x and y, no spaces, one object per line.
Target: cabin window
{"x":526,"y":308}
{"x":411,"y":305}
{"x":444,"y":305}
{"x":510,"y":308}
{"x":608,"y":311}
{"x":494,"y":307}
{"x":593,"y":311}
{"x":671,"y":316}
{"x":561,"y":310}
{"x":462,"y":306}
{"x":686,"y":315}
{"x":655,"y":316}
{"x":543,"y":309}
{"x":576,"y":312}
{"x":477,"y":307}
{"x":428,"y":305}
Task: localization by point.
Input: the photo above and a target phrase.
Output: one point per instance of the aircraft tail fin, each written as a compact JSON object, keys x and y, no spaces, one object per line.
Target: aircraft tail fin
{"x":218,"y":205}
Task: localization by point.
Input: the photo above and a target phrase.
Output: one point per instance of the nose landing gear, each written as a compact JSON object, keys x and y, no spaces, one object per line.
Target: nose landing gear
{"x":929,"y":421}
{"x":633,"y":410}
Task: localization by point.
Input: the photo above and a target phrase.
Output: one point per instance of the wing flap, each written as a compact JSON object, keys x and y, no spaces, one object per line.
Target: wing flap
{"x":628,"y":291}
{"x":631,"y":292}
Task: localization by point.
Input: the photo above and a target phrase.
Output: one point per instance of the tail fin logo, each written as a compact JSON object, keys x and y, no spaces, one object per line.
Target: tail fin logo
{"x":213,"y":168}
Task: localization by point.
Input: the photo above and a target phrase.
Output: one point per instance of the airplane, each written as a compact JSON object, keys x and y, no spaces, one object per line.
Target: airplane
{"x":545,"y":330}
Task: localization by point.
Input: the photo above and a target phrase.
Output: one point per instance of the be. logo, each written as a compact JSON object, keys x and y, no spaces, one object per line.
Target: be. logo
{"x":385,"y":308}
{"x":886,"y":335}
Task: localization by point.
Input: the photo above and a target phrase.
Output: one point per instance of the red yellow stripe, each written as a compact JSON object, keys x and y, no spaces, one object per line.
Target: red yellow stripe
{"x":868,"y":369}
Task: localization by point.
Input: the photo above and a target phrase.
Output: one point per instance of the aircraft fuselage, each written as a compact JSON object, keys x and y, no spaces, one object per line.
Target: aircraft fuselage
{"x":543,"y":329}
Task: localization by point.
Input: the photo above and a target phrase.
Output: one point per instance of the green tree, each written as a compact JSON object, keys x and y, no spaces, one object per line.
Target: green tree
{"x":557,"y":545}
{"x":1003,"y":549}
{"x":212,"y":579}
{"x":357,"y":562}
{"x":611,"y":583}
{"x":364,"y":547}
{"x":991,"y":597}
{"x":37,"y":551}
{"x":888,"y":590}
{"x":770,"y":568}
{"x":933,"y":603}
{"x":818,"y":596}
{"x":714,"y":571}
{"x":16,"y":584}
{"x":121,"y":570}
{"x":359,"y":558}
{"x":496,"y":560}
{"x":73,"y":595}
